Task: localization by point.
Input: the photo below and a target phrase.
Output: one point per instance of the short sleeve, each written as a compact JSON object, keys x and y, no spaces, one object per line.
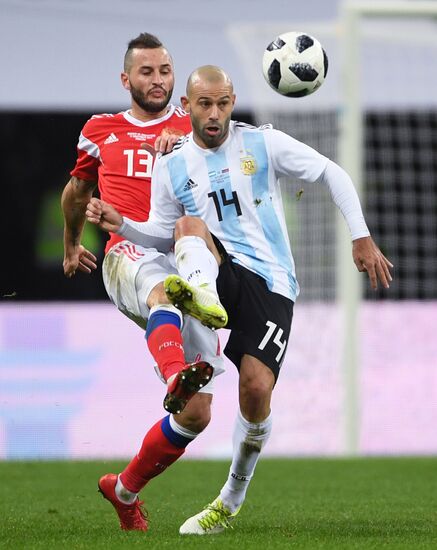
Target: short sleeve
{"x":88,"y":155}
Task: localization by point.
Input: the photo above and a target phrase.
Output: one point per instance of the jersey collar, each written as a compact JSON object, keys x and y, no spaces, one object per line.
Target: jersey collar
{"x":142,"y":124}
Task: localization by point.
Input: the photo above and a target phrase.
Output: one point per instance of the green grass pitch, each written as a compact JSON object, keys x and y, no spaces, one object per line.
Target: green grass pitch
{"x":301,"y":503}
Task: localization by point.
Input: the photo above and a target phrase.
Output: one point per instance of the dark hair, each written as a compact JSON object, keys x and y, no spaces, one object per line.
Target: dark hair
{"x":144,"y":40}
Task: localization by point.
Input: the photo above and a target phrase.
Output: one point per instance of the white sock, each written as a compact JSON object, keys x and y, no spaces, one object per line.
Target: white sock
{"x":195,"y":262}
{"x":248,"y":440}
{"x":123,"y":495}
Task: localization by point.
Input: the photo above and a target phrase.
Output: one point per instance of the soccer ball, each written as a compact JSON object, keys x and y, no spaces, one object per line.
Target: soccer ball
{"x":295,"y":64}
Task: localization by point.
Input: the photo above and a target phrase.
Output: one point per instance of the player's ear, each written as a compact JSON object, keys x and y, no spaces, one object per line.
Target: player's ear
{"x":125,"y":81}
{"x":234,"y":98}
{"x":185,"y":104}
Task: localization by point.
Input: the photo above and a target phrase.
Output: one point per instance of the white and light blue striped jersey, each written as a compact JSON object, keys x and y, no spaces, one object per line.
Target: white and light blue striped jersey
{"x":235,"y":189}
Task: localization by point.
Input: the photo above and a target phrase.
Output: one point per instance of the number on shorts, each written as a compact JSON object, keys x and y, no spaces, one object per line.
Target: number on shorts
{"x":273,"y":331}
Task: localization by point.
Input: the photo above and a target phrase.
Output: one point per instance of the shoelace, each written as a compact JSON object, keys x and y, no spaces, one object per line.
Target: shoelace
{"x":134,"y":509}
{"x":216,"y":516}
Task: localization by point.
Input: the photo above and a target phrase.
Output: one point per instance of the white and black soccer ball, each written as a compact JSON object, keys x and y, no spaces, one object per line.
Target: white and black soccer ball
{"x":295,"y":64}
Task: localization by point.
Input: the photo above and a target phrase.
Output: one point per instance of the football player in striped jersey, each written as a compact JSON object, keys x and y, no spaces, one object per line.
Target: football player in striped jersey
{"x":227,"y":174}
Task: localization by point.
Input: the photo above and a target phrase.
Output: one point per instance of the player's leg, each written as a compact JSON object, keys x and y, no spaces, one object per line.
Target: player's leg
{"x":260,"y":322}
{"x":133,"y":278}
{"x":163,"y":444}
{"x":197,"y":259}
{"x":165,"y":342}
{"x":130,"y":274}
{"x":251,"y":431}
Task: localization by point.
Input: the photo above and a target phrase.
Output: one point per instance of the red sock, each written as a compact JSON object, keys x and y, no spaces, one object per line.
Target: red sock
{"x":155,"y":455}
{"x":165,"y":344}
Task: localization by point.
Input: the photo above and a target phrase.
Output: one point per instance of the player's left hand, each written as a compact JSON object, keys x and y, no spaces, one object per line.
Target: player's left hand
{"x":368,"y":257}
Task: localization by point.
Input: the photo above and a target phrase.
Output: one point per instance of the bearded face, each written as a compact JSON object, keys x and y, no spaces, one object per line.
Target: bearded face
{"x":154,"y":100}
{"x":149,"y":77}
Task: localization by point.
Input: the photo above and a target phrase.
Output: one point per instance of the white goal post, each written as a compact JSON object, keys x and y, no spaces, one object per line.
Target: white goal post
{"x":351,"y":145}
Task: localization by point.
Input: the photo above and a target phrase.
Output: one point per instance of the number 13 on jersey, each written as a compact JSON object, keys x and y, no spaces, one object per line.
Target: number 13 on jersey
{"x":137,"y":160}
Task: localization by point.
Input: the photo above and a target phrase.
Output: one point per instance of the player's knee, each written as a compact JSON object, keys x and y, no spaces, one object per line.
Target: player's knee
{"x":190,"y":225}
{"x":157,"y":296}
{"x":255,"y":397}
{"x":256,"y":390}
{"x":196,"y":422}
{"x":197,"y":414}
{"x":255,"y":404}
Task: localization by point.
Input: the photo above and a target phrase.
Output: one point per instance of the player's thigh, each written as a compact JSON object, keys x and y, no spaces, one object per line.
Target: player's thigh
{"x":261,"y":323}
{"x":130,"y":273}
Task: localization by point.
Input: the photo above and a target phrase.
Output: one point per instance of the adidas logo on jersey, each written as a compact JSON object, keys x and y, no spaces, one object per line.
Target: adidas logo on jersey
{"x":190,"y":185}
{"x":112,"y":138}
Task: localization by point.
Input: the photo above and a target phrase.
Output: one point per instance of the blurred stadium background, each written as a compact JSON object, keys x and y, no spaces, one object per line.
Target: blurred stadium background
{"x":360,"y":375}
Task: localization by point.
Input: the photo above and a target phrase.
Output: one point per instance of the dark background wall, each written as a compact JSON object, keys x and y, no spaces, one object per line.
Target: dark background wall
{"x":38,"y":152}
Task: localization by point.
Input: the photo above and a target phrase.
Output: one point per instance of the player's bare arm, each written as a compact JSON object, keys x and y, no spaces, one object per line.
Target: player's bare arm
{"x":103,"y":215}
{"x":368,"y":257}
{"x":75,"y":198}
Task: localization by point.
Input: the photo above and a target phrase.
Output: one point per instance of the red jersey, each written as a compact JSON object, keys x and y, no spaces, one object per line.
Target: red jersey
{"x":109,"y":152}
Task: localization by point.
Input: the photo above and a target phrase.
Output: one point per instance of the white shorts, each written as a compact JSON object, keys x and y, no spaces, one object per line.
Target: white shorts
{"x":130,"y":272}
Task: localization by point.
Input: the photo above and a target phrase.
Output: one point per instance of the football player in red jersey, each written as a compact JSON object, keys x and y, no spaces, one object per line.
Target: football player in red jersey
{"x":116,"y":152}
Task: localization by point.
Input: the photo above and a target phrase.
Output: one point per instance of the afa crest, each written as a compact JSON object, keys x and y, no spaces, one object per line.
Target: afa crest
{"x":248,"y":165}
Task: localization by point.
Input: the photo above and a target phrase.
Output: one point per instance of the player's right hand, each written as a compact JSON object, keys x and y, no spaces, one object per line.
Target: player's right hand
{"x":368,"y":257}
{"x":78,"y":258}
{"x":104,"y":215}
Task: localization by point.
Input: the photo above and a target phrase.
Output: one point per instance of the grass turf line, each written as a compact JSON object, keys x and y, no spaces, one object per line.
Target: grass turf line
{"x":310,"y":504}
